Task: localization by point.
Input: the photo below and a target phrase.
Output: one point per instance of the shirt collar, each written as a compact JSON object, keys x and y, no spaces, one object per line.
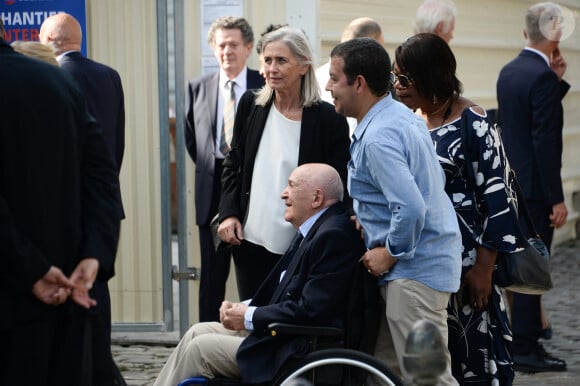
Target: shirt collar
{"x":59,"y":57}
{"x":544,"y":56}
{"x":307,"y":225}
{"x":362,"y":125}
{"x":241,"y":79}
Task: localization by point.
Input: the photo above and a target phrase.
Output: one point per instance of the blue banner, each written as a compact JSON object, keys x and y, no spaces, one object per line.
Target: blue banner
{"x":23,"y":18}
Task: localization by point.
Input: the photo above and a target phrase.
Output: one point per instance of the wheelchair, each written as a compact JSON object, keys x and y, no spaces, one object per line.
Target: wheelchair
{"x":324,"y":367}
{"x":337,"y":356}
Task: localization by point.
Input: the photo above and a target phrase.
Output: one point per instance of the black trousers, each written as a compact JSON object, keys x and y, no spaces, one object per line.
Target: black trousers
{"x":526,"y":309}
{"x":253,"y":264}
{"x":57,"y":349}
{"x":215,"y":267}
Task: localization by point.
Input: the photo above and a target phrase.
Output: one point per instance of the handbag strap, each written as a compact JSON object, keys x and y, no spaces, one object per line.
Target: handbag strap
{"x":522,"y":206}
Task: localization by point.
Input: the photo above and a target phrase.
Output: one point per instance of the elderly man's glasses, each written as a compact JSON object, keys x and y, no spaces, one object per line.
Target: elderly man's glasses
{"x":404,"y":80}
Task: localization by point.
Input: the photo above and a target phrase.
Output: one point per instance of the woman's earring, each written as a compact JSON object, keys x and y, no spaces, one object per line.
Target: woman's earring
{"x":435,"y":99}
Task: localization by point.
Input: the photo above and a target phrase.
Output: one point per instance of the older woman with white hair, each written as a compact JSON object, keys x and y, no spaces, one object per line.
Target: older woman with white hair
{"x":281,"y":126}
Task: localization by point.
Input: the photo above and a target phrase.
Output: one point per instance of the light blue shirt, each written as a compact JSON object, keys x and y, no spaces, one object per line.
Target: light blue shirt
{"x":303,"y":229}
{"x":397,"y":186}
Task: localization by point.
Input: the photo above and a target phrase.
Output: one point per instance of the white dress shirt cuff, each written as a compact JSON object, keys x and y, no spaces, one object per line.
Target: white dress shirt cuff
{"x":248,"y":316}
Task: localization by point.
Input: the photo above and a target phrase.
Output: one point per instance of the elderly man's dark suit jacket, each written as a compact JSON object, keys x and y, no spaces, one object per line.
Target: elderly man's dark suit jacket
{"x":57,"y":188}
{"x":103,"y":91}
{"x":531,"y":117}
{"x":313,"y":291}
{"x":200,"y":132}
{"x":323,"y":138}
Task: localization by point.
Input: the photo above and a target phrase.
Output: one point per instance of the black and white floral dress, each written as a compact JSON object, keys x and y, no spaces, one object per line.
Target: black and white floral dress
{"x":479,"y":342}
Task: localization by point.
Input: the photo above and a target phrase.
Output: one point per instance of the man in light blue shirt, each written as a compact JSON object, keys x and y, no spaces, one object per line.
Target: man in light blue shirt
{"x":397,"y":187}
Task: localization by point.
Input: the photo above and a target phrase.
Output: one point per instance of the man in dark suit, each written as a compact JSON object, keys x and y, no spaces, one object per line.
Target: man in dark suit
{"x":529,"y":91}
{"x":231,"y":39}
{"x":102,"y":88}
{"x":305,"y":287}
{"x":59,"y":215}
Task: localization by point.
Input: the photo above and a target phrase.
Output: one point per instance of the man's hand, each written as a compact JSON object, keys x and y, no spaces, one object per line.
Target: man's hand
{"x":378,"y":260}
{"x":53,"y":288}
{"x":225,"y":305}
{"x":234,"y":317}
{"x":558,"y":64}
{"x":230,"y":231}
{"x":83,"y":278}
{"x":559,"y":215}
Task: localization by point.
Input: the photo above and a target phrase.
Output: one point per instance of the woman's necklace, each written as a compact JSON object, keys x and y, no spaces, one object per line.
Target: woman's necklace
{"x":439,"y":110}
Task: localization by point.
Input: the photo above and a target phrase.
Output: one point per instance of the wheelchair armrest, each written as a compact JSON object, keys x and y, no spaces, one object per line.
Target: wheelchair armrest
{"x":297,"y":329}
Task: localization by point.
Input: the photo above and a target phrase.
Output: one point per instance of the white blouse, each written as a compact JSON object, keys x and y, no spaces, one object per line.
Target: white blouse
{"x":276,"y":158}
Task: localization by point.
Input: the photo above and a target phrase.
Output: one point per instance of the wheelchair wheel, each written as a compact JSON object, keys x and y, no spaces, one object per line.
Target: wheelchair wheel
{"x":339,"y":367}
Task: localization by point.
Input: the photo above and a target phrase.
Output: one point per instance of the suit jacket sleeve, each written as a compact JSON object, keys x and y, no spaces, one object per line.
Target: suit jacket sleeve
{"x":100,"y":204}
{"x":314,"y":294}
{"x":189,"y":123}
{"x":23,"y":263}
{"x":547,"y":134}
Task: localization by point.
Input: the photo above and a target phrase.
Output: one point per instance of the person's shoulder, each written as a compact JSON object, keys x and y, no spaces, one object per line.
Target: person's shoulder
{"x":324,"y":107}
{"x":203,"y":79}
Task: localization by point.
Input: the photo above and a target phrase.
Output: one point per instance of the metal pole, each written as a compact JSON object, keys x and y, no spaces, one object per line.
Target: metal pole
{"x":178,"y":28}
{"x":162,"y":64}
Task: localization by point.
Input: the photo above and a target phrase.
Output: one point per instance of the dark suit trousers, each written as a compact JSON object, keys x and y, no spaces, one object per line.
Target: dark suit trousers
{"x":29,"y":354}
{"x":526,"y":312}
{"x":253,"y":264}
{"x":51,"y":350}
{"x":215,"y":267}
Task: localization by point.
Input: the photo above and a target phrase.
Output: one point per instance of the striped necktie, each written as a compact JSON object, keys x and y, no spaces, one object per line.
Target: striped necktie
{"x":229,"y":114}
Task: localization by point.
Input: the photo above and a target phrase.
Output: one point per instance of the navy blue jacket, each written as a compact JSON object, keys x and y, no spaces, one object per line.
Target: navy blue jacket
{"x":531,"y":118}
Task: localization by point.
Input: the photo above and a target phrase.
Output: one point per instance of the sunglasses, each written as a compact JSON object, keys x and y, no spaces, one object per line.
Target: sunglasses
{"x":404,"y":80}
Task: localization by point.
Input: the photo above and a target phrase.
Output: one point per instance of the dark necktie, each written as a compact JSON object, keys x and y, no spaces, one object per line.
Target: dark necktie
{"x":229,"y":115}
{"x":291,"y":251}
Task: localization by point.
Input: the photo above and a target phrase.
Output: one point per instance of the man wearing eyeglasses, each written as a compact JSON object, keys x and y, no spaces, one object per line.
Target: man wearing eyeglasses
{"x":397,"y":186}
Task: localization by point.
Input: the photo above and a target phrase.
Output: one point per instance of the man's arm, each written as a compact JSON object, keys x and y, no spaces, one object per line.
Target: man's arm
{"x":23,"y":264}
{"x":547,"y":135}
{"x":190,"y":140}
{"x":406,"y":202}
{"x":316,"y":299}
{"x":101,"y":207}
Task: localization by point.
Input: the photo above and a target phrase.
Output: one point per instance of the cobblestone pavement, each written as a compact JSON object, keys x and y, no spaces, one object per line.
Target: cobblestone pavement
{"x":141,"y":356}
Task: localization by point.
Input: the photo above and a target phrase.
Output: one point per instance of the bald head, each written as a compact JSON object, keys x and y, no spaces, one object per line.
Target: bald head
{"x":64,"y":31}
{"x":363,"y":27}
{"x":311,"y":188}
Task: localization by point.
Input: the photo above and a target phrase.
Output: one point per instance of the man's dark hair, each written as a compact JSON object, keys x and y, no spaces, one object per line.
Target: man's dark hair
{"x":365,"y":57}
{"x":1,"y":29}
{"x":231,"y":22}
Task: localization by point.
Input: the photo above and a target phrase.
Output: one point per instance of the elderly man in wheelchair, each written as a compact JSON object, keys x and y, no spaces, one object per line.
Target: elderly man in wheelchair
{"x":310,"y":286}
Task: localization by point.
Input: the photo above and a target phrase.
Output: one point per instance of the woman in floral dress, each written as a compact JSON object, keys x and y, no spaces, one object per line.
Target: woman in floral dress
{"x":479,"y":332}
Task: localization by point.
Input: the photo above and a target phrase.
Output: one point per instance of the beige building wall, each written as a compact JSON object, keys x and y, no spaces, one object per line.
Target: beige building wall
{"x":123,"y":34}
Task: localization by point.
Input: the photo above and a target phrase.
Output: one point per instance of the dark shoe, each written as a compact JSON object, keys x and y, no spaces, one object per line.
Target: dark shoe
{"x":537,"y":361}
{"x":547,"y":333}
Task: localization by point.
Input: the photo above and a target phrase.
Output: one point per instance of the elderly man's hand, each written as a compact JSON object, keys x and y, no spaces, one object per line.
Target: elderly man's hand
{"x":234,"y":317}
